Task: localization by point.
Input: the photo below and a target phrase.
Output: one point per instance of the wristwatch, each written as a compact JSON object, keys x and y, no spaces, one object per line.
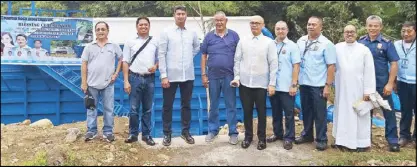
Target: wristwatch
{"x":327,"y":84}
{"x":294,"y":85}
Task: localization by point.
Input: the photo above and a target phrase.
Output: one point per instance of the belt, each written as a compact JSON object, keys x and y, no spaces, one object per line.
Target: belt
{"x":141,"y":75}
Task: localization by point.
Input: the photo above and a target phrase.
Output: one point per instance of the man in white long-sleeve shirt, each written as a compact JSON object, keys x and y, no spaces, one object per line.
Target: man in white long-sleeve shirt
{"x":256,"y":65}
{"x":177,"y":48}
{"x":355,"y":81}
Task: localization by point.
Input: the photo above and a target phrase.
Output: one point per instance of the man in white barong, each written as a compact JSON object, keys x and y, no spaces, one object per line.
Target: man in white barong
{"x":355,"y":81}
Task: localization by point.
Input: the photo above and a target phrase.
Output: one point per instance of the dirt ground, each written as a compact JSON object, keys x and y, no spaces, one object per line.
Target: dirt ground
{"x":24,"y":145}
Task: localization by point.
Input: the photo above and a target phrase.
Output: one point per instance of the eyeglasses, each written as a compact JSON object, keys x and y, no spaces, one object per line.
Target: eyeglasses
{"x":283,"y":29}
{"x":409,"y":31}
{"x":255,"y":23}
{"x":219,"y":21}
{"x":102,"y":29}
{"x":349,"y":32}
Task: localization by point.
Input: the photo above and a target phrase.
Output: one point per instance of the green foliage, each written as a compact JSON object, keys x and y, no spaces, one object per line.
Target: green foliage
{"x":39,"y":160}
{"x":336,"y":15}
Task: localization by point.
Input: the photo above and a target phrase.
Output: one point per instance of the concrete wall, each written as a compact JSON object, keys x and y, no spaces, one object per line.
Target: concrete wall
{"x":124,"y":28}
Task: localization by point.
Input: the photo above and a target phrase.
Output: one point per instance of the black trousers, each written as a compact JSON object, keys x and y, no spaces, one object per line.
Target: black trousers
{"x":407,"y":95}
{"x":186,"y":90}
{"x":248,"y":97}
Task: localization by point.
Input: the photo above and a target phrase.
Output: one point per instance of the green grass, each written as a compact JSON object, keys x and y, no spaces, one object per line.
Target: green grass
{"x":71,"y":160}
{"x":39,"y":160}
{"x":336,"y":158}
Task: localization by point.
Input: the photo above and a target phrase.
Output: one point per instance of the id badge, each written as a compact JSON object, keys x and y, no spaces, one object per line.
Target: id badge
{"x":302,"y":63}
{"x":404,"y":63}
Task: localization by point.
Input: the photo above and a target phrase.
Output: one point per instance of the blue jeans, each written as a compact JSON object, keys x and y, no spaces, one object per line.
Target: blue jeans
{"x":142,"y":93}
{"x":407,"y":95}
{"x":215,"y":87}
{"x":313,"y":106}
{"x":391,"y":132}
{"x":107,"y":98}
{"x":283,"y":101}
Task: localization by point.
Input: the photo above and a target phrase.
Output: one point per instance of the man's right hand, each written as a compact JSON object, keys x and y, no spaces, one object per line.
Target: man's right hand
{"x":165,"y":82}
{"x":84,"y":87}
{"x":127,"y":87}
{"x":235,"y":83}
{"x":205,"y":81}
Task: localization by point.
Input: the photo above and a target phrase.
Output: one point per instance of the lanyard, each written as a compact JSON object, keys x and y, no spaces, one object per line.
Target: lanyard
{"x":308,"y":47}
{"x":406,"y":53}
{"x":283,"y":44}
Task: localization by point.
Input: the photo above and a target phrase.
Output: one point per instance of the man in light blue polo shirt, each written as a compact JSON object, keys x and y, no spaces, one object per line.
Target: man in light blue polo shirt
{"x":286,"y":87}
{"x":406,"y":85}
{"x":98,"y":75}
{"x":177,"y":47}
{"x":318,"y":58}
{"x":218,"y":49}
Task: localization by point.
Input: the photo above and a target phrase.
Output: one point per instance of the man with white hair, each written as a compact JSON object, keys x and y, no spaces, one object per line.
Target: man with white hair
{"x":218,"y":52}
{"x":383,"y":52}
{"x":286,"y":87}
{"x":256,"y":65}
{"x":355,"y":81}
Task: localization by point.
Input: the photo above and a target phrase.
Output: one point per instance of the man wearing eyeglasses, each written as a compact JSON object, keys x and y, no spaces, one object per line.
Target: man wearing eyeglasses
{"x":318,"y":58}
{"x":256,"y":65}
{"x":406,"y":85}
{"x":218,"y":52}
{"x":286,"y":87}
{"x":98,"y":75}
{"x":355,"y":81}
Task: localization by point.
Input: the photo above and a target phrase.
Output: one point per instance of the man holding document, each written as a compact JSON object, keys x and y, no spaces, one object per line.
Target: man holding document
{"x":355,"y":82}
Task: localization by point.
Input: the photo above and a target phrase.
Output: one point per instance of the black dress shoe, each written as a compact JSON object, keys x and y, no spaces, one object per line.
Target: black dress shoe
{"x":321,"y":146}
{"x":302,"y":139}
{"x":261,"y":145}
{"x":246,"y":143}
{"x":148,"y":140}
{"x":362,"y":149}
{"x":188,"y":138}
{"x":167,"y":140}
{"x":394,"y":148}
{"x":131,"y":139}
{"x":288,"y":145}
{"x":273,"y":138}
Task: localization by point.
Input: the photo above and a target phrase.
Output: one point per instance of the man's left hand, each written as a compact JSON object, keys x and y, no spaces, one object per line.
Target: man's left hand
{"x":152,"y":69}
{"x":271,"y":90}
{"x":113,"y":78}
{"x":326,"y":92}
{"x":388,"y":89}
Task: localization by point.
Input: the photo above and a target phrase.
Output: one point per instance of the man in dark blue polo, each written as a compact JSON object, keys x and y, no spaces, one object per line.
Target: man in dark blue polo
{"x":384,"y":52}
{"x":218,"y":50}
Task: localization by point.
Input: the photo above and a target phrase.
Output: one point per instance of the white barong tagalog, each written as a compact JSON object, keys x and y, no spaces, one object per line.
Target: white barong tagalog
{"x":355,"y":77}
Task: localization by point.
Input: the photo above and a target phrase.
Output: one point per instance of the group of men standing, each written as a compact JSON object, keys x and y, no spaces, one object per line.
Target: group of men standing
{"x":260,"y":67}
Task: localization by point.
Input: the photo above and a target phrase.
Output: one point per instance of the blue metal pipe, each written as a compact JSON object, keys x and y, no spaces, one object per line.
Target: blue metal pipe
{"x":9,"y":7}
{"x":33,"y":8}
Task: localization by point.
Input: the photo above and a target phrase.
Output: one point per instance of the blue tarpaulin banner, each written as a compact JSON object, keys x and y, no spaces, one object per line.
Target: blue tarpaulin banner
{"x":30,"y":40}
